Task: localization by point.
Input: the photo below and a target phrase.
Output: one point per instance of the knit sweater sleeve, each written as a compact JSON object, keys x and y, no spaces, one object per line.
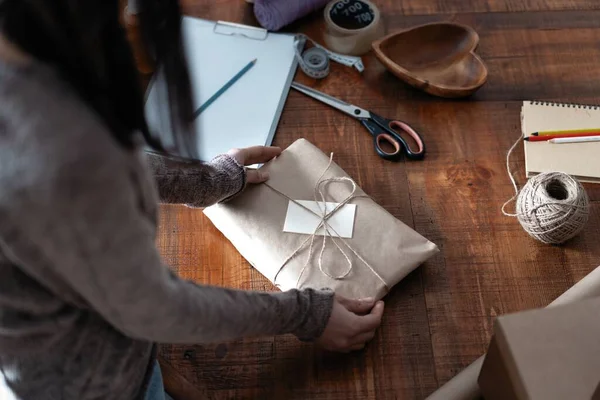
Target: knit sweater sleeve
{"x":102,"y":245}
{"x":197,"y":184}
{"x":75,"y":213}
{"x":71,"y":211}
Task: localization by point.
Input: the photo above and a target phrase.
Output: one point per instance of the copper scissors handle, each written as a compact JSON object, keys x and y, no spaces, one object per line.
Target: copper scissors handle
{"x":388,"y":131}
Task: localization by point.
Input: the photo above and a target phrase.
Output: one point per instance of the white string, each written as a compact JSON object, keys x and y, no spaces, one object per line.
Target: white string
{"x":552,"y":206}
{"x":324,"y":217}
{"x":512,"y":178}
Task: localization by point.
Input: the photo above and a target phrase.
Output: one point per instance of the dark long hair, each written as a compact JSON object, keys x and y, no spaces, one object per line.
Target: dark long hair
{"x":86,"y":43}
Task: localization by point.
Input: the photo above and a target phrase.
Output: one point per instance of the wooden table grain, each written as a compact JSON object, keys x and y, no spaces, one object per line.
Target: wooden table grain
{"x":440,"y":317}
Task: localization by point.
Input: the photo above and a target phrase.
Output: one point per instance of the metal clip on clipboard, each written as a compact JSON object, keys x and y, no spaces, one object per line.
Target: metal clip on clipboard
{"x":233,"y":29}
{"x":251,"y":32}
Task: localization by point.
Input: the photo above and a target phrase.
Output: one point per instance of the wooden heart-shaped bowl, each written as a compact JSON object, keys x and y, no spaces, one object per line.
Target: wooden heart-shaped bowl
{"x":438,"y":58}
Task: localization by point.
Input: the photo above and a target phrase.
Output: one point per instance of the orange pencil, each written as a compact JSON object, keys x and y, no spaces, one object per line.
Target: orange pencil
{"x":589,"y":131}
{"x":536,"y":138}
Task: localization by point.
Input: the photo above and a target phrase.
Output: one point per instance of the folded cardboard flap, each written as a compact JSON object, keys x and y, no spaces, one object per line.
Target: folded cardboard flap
{"x":545,"y":354}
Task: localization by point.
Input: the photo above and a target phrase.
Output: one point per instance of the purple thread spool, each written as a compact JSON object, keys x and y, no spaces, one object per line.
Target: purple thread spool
{"x":275,"y":14}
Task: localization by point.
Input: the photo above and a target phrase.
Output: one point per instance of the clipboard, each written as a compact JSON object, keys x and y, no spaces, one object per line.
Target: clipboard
{"x":248,"y":113}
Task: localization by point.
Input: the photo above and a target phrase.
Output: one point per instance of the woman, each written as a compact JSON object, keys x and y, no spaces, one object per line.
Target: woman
{"x":83,"y":294}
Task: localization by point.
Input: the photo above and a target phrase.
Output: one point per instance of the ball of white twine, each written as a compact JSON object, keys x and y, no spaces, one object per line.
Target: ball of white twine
{"x":552,"y":207}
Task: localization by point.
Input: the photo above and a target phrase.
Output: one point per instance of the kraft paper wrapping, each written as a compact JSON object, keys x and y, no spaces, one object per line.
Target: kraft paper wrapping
{"x":253,"y":223}
{"x":464,"y":385}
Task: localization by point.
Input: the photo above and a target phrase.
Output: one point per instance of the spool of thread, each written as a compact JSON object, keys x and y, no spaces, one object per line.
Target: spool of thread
{"x":552,"y":207}
{"x":275,"y":14}
{"x":352,"y":26}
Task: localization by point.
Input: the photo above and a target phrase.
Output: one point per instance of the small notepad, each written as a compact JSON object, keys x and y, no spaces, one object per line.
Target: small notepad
{"x":582,"y":160}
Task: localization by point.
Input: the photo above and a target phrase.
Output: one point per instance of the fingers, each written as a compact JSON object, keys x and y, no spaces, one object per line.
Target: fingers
{"x":372,"y":320}
{"x":358,"y":306}
{"x":364,"y":338}
{"x":256,"y":176}
{"x":368,"y":326}
{"x":360,"y":341}
{"x":255,"y":155}
{"x":260,"y":154}
{"x":357,"y":347}
{"x":348,"y":330}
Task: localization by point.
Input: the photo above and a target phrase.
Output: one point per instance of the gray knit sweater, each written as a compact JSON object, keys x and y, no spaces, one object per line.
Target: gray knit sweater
{"x":83,"y":294}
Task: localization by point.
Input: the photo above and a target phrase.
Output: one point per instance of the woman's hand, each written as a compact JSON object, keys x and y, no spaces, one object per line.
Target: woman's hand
{"x":255,"y":155}
{"x":351,"y":325}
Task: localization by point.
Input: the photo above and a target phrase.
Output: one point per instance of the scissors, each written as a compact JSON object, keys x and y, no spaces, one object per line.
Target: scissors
{"x":383,"y":130}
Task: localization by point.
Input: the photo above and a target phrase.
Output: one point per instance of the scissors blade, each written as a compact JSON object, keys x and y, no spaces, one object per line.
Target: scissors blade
{"x":349,"y":109}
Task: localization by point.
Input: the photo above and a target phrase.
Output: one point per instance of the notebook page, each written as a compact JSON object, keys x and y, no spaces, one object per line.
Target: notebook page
{"x":579,"y":159}
{"x":248,"y":112}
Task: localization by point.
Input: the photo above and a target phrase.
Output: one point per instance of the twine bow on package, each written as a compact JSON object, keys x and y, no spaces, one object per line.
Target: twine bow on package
{"x":310,"y":225}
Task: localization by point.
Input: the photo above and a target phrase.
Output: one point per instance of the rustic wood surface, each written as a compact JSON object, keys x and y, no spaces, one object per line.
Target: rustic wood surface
{"x":438,"y":319}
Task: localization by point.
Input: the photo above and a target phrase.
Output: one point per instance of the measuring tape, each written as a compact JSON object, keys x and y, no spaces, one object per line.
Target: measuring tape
{"x":352,"y":26}
{"x":314,"y":62}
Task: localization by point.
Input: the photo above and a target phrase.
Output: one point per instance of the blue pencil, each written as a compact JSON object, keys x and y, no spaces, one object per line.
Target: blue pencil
{"x":224,"y":88}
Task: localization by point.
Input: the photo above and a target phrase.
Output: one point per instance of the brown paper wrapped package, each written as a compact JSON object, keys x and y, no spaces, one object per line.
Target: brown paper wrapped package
{"x":254,"y":221}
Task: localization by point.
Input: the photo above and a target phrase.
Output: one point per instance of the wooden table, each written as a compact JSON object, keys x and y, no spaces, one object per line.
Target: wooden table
{"x":438,"y":319}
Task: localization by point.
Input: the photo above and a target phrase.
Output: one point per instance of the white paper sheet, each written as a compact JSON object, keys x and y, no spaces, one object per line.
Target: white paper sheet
{"x":299,"y":220}
{"x":248,"y":113}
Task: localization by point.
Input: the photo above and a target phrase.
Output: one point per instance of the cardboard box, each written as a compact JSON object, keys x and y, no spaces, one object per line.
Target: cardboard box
{"x":545,"y":354}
